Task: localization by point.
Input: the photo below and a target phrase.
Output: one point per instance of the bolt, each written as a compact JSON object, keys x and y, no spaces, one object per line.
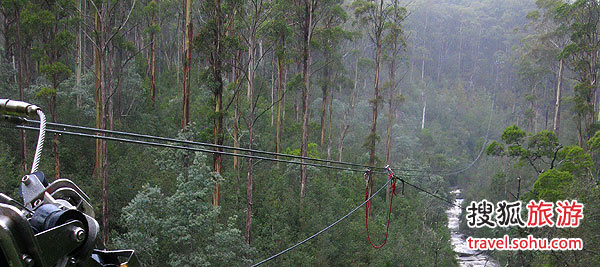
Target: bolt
{"x":26,"y":180}
{"x":27,"y":260}
{"x":37,"y":202}
{"x":78,"y":234}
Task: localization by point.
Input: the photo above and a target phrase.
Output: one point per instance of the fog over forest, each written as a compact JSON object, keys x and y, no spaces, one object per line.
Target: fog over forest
{"x":465,"y":100}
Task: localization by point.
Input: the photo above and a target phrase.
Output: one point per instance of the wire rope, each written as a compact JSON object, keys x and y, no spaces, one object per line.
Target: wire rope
{"x":40,"y":142}
{"x":322,"y":230}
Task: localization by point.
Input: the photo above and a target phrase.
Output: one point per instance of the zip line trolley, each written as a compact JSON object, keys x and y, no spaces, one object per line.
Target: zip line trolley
{"x":54,"y":226}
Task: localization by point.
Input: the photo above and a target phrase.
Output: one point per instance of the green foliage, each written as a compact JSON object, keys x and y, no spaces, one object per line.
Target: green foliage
{"x":495,"y":149}
{"x":55,"y":69}
{"x":64,"y":40}
{"x":9,"y":179}
{"x":278,"y":32}
{"x":577,"y":20}
{"x":45,"y":91}
{"x":497,"y":186}
{"x":211,"y":39}
{"x":371,"y":140}
{"x":541,"y":147}
{"x":594,"y":142}
{"x":312,"y":151}
{"x":575,"y":160}
{"x":186,"y":220}
{"x":363,"y":9}
{"x":458,"y":66}
{"x":426,"y":139}
{"x":551,"y":185}
{"x":512,"y":135}
{"x":533,"y":15}
{"x":33,"y":17}
{"x":151,"y":7}
{"x":296,"y":83}
{"x":543,"y":143}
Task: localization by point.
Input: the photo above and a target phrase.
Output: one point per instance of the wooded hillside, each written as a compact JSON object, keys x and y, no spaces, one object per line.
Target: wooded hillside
{"x":423,"y":86}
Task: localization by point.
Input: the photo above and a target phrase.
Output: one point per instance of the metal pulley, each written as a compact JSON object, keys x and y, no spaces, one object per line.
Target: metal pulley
{"x":54,"y":226}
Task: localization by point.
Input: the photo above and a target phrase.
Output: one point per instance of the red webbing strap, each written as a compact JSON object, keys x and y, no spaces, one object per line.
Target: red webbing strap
{"x":394,"y":178}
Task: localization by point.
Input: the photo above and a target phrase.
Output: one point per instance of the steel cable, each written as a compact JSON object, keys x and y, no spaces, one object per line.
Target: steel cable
{"x":40,"y":142}
{"x":322,"y":230}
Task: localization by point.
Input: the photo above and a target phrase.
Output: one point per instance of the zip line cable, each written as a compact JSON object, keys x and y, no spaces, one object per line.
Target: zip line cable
{"x":96,"y":130}
{"x":140,"y":142}
{"x":393,"y":177}
{"x":324,"y":229}
{"x":187,"y":142}
{"x":40,"y":143}
{"x":428,"y":193}
{"x":42,"y":123}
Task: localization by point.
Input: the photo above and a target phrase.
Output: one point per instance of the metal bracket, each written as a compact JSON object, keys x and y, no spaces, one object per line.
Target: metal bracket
{"x":125,"y":257}
{"x":35,"y":193}
{"x":16,"y":239}
{"x":61,"y":241}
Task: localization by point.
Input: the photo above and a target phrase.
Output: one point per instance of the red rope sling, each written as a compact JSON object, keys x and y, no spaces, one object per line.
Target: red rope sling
{"x":394,"y":178}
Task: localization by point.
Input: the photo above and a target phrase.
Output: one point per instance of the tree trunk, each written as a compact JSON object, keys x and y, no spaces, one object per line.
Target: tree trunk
{"x":153,"y":57}
{"x":348,"y":112}
{"x":297,"y":105}
{"x":556,"y":124}
{"x":98,"y":89}
{"x":236,"y":112}
{"x":373,"y":134}
{"x":219,"y":138}
{"x":252,"y":47}
{"x":186,"y":54}
{"x":329,"y":121}
{"x":53,"y":57}
{"x":285,"y":73}
{"x":78,"y":63}
{"x":424,"y":110}
{"x":249,"y":188}
{"x":308,"y":9}
{"x":593,"y":83}
{"x":537,"y":113}
{"x":279,"y":104}
{"x":272,"y":91}
{"x":6,"y":25}
{"x":460,"y":51}
{"x":531,"y":126}
{"x":106,"y":122}
{"x":101,"y":111}
{"x":325,"y":102}
{"x":388,"y":140}
{"x":342,"y":137}
{"x":423,"y":95}
{"x":21,"y":85}
{"x":55,"y":137}
{"x":236,"y":121}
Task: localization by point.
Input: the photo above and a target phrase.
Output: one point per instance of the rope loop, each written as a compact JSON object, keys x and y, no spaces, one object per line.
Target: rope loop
{"x":392,"y":177}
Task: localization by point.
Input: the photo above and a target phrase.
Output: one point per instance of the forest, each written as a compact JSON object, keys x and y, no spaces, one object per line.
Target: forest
{"x":497,"y":98}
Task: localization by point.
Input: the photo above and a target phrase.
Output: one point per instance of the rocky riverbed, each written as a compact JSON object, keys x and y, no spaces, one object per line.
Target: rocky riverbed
{"x":465,"y":256}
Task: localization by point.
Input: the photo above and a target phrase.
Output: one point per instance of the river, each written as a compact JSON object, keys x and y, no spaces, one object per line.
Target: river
{"x":465,"y":256}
